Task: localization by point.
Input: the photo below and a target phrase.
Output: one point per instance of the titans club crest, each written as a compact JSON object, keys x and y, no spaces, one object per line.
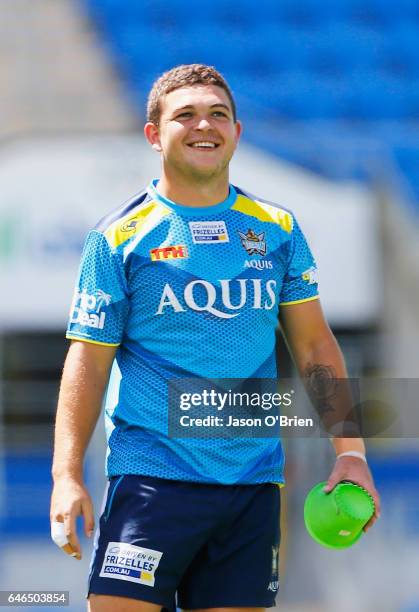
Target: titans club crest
{"x":253,"y":243}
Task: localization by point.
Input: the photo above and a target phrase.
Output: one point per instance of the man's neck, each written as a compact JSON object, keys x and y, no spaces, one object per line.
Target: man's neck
{"x":190,"y":193}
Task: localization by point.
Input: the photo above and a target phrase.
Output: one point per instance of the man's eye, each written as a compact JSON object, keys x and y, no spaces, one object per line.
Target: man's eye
{"x":184,"y":115}
{"x":219,"y":114}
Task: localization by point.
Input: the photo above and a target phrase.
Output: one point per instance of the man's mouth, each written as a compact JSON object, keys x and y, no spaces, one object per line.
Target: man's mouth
{"x":203,"y":144}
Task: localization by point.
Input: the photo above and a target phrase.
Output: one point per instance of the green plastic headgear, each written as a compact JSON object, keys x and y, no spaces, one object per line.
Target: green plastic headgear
{"x":336,"y":519}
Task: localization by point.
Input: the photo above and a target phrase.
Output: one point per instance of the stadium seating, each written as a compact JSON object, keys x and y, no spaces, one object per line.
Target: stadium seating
{"x":350,"y":61}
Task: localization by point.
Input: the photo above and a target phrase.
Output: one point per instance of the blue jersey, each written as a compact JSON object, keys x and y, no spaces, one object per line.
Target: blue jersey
{"x":188,"y":292}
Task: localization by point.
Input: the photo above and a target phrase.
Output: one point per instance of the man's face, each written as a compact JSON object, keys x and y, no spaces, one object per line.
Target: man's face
{"x":197,"y":135}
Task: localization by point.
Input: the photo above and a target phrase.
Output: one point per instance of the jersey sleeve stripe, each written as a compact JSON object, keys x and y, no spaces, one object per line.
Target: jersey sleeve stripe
{"x":74,"y":337}
{"x":122,"y":211}
{"x":310,"y":299}
{"x":136,"y":223}
{"x":264,"y":212}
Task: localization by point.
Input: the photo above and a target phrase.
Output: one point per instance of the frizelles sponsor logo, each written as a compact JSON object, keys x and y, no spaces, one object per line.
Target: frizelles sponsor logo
{"x":310,"y":276}
{"x":178,"y":251}
{"x":203,"y":296}
{"x":208,"y":232}
{"x":259,"y":264}
{"x":253,"y":243}
{"x":86,"y":308}
{"x":129,"y":562}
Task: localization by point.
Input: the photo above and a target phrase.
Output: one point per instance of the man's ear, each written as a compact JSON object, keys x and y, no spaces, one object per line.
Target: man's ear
{"x":151,"y":132}
{"x":239,"y":130}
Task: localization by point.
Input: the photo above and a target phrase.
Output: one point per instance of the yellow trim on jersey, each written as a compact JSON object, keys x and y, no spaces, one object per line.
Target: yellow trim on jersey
{"x":264,"y":212}
{"x":71,"y":337}
{"x":310,"y":299}
{"x":135,"y":223}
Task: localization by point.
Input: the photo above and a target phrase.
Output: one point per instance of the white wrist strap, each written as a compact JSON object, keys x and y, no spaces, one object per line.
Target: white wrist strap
{"x":353,"y":454}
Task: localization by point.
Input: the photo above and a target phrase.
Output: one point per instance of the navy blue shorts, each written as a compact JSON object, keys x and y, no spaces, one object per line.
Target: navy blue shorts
{"x":212,"y":545}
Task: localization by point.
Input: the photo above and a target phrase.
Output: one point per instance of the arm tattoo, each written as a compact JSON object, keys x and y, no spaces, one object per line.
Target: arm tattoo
{"x":321,"y":384}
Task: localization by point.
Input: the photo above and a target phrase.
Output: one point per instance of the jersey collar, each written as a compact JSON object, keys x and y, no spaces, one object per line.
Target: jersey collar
{"x":192,"y":211}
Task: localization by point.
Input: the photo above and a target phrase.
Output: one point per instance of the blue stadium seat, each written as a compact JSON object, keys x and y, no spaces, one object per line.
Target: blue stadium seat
{"x":412,"y":99}
{"x":227,"y":12}
{"x":163,"y":14}
{"x":113,"y":11}
{"x":180,"y":13}
{"x":286,"y":48}
{"x":107,"y":5}
{"x":341,"y":47}
{"x":144,"y":51}
{"x":191,"y":45}
{"x":401,"y":50}
{"x":252,"y":105}
{"x":298,"y":14}
{"x":312,"y":13}
{"x":394,"y":133}
{"x":376,"y":13}
{"x":128,"y":37}
{"x":27,"y":486}
{"x":331,"y":11}
{"x":301,"y":97}
{"x":407,"y":159}
{"x":246,"y":13}
{"x":259,"y":59}
{"x":226,"y":54}
{"x":374,"y":97}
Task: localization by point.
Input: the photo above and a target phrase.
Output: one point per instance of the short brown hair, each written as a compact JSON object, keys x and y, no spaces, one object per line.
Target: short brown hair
{"x":185,"y":75}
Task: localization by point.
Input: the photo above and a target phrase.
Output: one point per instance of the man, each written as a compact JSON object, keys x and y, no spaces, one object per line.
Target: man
{"x":168,"y":291}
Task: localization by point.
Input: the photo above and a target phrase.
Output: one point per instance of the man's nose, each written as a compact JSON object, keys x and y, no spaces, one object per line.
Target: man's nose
{"x":203,"y":123}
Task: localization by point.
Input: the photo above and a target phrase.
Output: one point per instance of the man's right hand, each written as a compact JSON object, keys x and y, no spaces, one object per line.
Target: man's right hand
{"x":85,"y":376}
{"x":69,"y":500}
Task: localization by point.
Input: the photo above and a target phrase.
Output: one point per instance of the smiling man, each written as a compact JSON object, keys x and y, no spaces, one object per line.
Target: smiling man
{"x":170,"y":286}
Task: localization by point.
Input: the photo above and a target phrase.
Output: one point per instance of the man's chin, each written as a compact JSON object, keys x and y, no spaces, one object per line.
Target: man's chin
{"x":207,"y":171}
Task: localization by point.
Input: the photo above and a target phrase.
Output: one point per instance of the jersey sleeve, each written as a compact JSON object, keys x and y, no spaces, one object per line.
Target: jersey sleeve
{"x":100,"y":305}
{"x":300,"y":280}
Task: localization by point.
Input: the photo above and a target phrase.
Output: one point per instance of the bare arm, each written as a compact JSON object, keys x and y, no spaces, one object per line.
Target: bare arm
{"x":317,"y":354}
{"x":85,"y":376}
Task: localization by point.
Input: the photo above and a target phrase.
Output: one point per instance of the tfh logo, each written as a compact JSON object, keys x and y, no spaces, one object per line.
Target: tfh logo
{"x":170,"y":252}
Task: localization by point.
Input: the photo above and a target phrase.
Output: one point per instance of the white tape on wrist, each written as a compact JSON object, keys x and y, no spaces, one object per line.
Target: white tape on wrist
{"x":58,"y":534}
{"x":357,"y":454}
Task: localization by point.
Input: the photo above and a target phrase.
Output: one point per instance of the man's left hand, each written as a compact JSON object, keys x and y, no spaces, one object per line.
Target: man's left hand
{"x":355,"y":470}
